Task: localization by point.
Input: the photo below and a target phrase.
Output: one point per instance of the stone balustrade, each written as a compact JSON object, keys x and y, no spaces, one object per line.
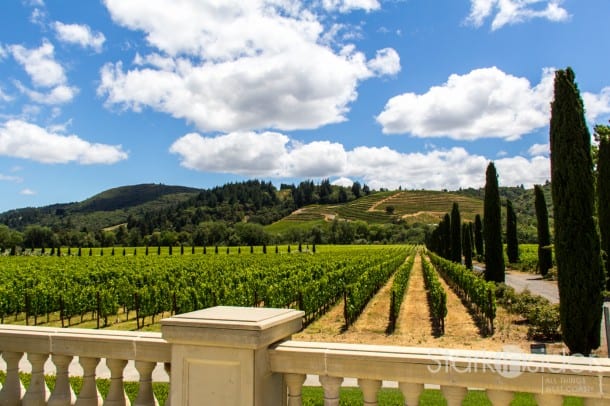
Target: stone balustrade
{"x":500,"y":374}
{"x":244,"y":356}
{"x":38,"y":344}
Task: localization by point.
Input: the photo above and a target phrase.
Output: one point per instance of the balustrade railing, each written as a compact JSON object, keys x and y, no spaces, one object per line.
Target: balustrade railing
{"x":244,"y":356}
{"x":501,"y":374}
{"x":39,"y":344}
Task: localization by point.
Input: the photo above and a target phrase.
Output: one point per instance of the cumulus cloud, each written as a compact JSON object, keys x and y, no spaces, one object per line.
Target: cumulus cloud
{"x":40,"y":64}
{"x":236,"y":65}
{"x":596,"y":104}
{"x":45,"y":72}
{"x":79,"y":34}
{"x":539,"y":149}
{"x":277,"y":156}
{"x":483,"y":103}
{"x":386,"y":62}
{"x":21,"y":139}
{"x":58,"y":95}
{"x":507,"y":12}
{"x":27,"y":192}
{"x":345,"y":6}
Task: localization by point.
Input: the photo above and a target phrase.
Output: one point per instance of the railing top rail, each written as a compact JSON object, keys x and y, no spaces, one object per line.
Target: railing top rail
{"x":139,"y":346}
{"x":534,"y":373}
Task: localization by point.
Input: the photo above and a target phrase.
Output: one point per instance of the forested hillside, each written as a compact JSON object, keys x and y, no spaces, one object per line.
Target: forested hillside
{"x":248,"y":213}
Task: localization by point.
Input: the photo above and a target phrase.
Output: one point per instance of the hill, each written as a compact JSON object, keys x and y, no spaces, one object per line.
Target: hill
{"x":108,"y":208}
{"x":252,"y":212}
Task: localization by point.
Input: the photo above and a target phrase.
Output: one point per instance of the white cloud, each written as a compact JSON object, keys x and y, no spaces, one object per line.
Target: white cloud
{"x":386,"y":62}
{"x":25,"y":140}
{"x":10,"y":178}
{"x":45,"y":72}
{"x":27,"y":192}
{"x":539,"y":149}
{"x":58,"y":95}
{"x":237,"y":65}
{"x":275,"y":155}
{"x":4,"y":97}
{"x":596,"y":104}
{"x":40,"y":64}
{"x":79,"y":34}
{"x":484,"y":103}
{"x":343,"y":181}
{"x":345,"y":6}
{"x":514,"y":11}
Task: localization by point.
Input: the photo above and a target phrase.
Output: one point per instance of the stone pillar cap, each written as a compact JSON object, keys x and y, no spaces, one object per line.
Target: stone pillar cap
{"x":249,"y":327}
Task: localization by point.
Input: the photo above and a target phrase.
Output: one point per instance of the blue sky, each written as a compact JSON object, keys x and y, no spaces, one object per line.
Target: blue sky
{"x":413,"y":93}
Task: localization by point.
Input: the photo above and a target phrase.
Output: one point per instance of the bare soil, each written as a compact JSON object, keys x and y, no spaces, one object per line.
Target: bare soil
{"x":414,"y":327}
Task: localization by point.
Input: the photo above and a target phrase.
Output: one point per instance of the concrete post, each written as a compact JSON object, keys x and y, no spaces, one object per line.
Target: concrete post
{"x":220,"y":356}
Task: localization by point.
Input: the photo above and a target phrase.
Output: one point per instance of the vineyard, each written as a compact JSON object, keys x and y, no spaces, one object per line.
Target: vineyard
{"x":35,"y":287}
{"x":134,"y":288}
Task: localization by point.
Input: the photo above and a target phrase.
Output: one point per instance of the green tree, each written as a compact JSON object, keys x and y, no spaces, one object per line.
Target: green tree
{"x":478,"y":235}
{"x":577,"y":245}
{"x":492,"y":227}
{"x":545,"y":254}
{"x":356,"y":189}
{"x":456,"y":234}
{"x":467,"y":244}
{"x":512,"y":243}
{"x":602,"y":135}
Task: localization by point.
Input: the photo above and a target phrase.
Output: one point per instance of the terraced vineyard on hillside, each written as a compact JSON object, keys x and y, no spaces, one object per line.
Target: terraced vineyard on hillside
{"x":412,"y":206}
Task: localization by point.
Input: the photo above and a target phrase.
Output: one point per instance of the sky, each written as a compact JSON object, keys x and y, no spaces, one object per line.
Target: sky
{"x":417,"y":94}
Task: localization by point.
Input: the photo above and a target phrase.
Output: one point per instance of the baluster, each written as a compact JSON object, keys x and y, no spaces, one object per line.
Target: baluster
{"x":89,"y":395}
{"x":499,"y":397}
{"x":550,"y":400}
{"x":295,"y":384}
{"x":62,"y":393}
{"x":411,"y":392}
{"x":12,"y":391}
{"x":369,"y":389}
{"x":145,"y":391}
{"x":116,"y":391}
{"x":454,"y":394}
{"x":168,"y":369}
{"x":37,"y":393}
{"x":331,"y":385}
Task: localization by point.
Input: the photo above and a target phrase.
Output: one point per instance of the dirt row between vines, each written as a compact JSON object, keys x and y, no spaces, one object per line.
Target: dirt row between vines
{"x":414,"y":327}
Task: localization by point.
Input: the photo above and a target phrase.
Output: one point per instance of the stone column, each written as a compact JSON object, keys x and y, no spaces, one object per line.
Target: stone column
{"x":219,"y":355}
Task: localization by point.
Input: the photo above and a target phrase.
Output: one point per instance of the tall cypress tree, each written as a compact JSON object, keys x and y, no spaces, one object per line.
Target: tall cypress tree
{"x":492,"y":227}
{"x":512,"y":242}
{"x":478,"y":235}
{"x":545,"y":255}
{"x":456,"y":234}
{"x":445,"y":227}
{"x":602,"y":134}
{"x":577,"y":245}
{"x":467,"y":244}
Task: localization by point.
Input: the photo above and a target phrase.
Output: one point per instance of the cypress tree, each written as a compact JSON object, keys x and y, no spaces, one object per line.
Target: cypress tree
{"x":545,"y":255}
{"x":602,"y":134}
{"x":467,"y":246}
{"x":478,"y":235}
{"x":456,"y":234}
{"x":445,"y":230}
{"x":512,"y":242}
{"x":492,"y":227}
{"x":577,"y":245}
